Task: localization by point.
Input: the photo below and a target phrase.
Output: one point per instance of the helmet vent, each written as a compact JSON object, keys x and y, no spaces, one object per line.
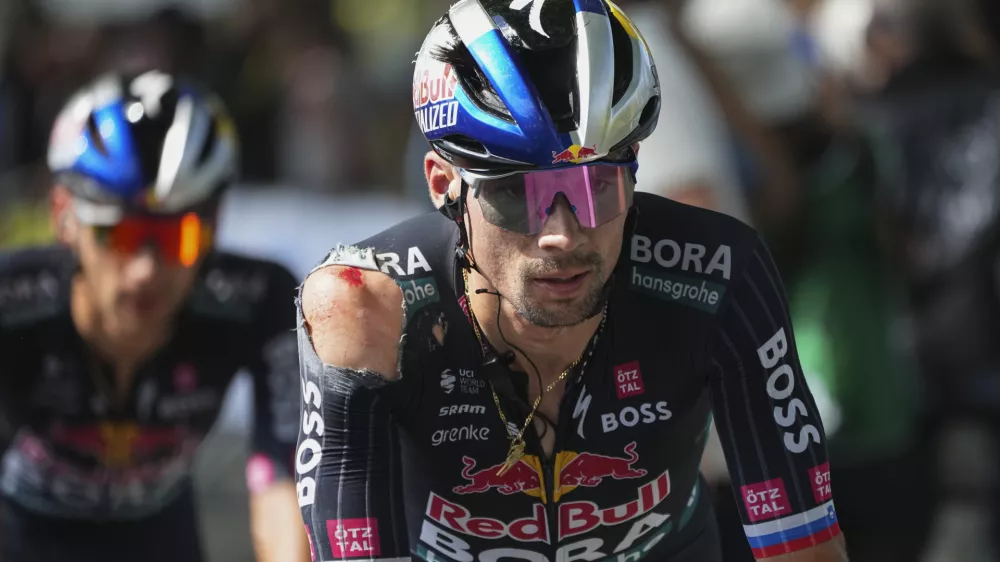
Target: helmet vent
{"x":470,"y":76}
{"x":94,"y":134}
{"x":623,"y":59}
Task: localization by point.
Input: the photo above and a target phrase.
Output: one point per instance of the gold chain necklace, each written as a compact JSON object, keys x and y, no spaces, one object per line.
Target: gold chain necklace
{"x":517,"y":445}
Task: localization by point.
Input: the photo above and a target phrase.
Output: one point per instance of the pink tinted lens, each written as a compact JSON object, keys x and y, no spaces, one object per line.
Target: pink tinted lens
{"x":595,"y":194}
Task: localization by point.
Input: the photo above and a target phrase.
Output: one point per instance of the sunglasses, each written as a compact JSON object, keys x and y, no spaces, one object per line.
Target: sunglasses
{"x":179,"y":240}
{"x":521,"y":202}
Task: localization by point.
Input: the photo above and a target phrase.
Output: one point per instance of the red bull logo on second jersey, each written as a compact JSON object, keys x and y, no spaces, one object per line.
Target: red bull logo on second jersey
{"x":120,"y":445}
{"x":575,"y":154}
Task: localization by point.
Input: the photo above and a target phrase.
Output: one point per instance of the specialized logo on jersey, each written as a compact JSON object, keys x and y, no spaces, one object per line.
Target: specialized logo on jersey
{"x":691,"y":258}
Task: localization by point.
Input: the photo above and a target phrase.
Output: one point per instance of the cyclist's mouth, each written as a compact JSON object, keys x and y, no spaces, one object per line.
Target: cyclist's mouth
{"x":563,"y":285}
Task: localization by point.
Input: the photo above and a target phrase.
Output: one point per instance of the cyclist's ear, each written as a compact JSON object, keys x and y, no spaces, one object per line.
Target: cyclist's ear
{"x":442,"y":178}
{"x":64,"y":224}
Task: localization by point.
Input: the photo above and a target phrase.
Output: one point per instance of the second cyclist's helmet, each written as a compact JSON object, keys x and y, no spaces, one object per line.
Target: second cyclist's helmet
{"x":516,"y":85}
{"x":149,"y":144}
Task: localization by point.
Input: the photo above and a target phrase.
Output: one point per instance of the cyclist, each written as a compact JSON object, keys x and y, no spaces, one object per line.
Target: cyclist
{"x":118,"y":344}
{"x":530,"y":373}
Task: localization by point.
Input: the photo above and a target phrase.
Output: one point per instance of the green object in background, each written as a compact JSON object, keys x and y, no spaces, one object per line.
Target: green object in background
{"x":843,"y":306}
{"x":25,"y":223}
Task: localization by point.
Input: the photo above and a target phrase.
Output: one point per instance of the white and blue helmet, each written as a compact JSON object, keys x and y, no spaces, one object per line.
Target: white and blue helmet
{"x":520,"y":85}
{"x":151,"y":143}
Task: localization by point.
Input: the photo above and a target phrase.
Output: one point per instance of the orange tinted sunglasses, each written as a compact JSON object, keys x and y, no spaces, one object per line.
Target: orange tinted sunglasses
{"x":178,"y":239}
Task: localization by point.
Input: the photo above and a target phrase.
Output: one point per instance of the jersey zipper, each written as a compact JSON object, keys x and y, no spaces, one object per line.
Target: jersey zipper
{"x":549,"y":462}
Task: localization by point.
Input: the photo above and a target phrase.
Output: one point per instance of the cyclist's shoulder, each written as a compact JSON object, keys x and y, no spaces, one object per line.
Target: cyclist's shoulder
{"x":688,"y":240}
{"x":417,"y":247}
{"x":34,"y":284}
{"x":236,"y":288}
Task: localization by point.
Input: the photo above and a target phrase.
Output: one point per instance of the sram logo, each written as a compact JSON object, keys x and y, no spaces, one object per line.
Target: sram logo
{"x":780,"y":386}
{"x":461,"y":409}
{"x":309,"y":453}
{"x":630,"y":416}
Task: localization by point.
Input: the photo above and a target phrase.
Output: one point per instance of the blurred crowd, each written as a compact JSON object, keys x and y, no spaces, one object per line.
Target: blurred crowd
{"x":861,"y":137}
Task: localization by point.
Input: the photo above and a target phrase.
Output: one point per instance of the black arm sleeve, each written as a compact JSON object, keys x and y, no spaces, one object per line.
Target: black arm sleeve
{"x":275,"y":381}
{"x":347,"y":465}
{"x":769,"y":425}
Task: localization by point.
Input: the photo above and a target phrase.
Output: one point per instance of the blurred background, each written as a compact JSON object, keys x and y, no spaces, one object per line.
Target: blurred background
{"x":861,"y":137}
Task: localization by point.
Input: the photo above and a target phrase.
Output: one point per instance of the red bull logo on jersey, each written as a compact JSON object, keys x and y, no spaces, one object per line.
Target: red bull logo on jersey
{"x":574,"y":518}
{"x":589,"y":469}
{"x":120,"y":445}
{"x":572,"y":469}
{"x":525,"y":476}
{"x":575,"y":154}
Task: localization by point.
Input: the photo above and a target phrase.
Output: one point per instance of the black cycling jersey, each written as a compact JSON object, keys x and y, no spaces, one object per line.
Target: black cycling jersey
{"x":696,"y":325}
{"x":76,"y":452}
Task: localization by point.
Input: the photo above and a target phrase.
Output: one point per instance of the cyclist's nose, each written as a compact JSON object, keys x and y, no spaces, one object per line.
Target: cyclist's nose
{"x":561,"y":230}
{"x":142,"y":267}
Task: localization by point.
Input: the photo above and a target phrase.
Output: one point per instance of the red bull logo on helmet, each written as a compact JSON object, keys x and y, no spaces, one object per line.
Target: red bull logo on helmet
{"x":434,"y":85}
{"x":575,"y":154}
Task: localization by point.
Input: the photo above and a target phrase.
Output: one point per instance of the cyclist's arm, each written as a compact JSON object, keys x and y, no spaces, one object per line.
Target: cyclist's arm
{"x":769,"y":425}
{"x":348,"y":476}
{"x":274,"y":521}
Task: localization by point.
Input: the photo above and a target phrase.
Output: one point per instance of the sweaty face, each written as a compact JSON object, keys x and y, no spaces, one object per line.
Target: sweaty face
{"x":135,"y":294}
{"x":554,"y":278}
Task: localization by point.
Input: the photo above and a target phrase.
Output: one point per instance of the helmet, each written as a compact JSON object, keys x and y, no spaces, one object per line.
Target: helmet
{"x":149,"y":144}
{"x":520,"y":85}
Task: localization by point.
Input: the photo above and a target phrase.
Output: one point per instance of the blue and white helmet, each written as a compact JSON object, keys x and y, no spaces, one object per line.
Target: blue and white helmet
{"x":506,"y":85}
{"x":152,"y":143}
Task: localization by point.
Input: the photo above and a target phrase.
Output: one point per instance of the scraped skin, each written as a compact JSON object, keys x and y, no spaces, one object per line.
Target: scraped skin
{"x":355,"y":318}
